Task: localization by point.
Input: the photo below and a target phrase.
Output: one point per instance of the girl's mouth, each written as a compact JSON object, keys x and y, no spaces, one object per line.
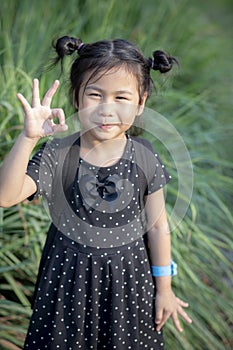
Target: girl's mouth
{"x":106,"y":126}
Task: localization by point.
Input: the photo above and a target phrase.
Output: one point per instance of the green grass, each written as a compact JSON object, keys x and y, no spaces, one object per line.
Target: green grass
{"x":196,"y":100}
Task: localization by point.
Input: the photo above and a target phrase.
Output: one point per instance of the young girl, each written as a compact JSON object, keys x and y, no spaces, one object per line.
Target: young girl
{"x":102,"y":283}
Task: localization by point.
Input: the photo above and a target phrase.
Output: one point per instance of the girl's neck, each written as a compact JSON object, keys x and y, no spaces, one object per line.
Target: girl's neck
{"x":102,"y":153}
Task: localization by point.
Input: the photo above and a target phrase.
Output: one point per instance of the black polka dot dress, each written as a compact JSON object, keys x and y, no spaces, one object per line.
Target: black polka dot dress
{"x":94,"y":288}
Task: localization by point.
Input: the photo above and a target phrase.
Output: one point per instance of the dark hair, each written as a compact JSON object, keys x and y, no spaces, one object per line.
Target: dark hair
{"x":104,"y":55}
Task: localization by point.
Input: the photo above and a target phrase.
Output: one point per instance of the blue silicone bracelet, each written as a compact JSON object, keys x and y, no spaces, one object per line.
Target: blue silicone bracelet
{"x":160,"y":271}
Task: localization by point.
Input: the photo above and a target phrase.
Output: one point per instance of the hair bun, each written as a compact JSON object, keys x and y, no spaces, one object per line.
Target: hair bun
{"x":162,"y":61}
{"x":66,"y":46}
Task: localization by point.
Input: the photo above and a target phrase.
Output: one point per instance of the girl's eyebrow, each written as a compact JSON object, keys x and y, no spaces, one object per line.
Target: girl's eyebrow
{"x":94,"y":87}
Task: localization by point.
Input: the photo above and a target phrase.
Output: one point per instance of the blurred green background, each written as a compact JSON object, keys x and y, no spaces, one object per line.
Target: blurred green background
{"x":197,"y":100}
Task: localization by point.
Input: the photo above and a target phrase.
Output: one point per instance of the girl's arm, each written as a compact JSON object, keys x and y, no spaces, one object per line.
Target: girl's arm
{"x":159,"y":244}
{"x":15,"y":185}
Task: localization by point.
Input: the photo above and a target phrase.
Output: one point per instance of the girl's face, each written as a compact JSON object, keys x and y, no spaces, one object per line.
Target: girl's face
{"x":109,"y":103}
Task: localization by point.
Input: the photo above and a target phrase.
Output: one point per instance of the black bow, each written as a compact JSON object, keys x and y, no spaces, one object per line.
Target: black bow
{"x":106,"y":189}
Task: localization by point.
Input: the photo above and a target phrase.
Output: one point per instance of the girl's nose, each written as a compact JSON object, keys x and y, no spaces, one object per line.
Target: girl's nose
{"x":106,"y":109}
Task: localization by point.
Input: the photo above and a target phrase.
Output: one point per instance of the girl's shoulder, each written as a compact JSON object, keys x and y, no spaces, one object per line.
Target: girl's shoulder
{"x":142,"y":145}
{"x":58,"y":148}
{"x":150,"y":162}
{"x":65,"y":142}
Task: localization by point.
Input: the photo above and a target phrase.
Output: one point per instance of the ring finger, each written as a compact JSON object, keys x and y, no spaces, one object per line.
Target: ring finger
{"x":35,"y":94}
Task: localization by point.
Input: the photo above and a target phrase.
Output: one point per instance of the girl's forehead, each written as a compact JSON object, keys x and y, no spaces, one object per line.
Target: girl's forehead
{"x":114,"y":76}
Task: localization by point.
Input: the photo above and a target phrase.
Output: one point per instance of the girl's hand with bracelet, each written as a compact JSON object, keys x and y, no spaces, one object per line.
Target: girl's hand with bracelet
{"x":167,"y":304}
{"x":39,"y":118}
{"x":159,"y":244}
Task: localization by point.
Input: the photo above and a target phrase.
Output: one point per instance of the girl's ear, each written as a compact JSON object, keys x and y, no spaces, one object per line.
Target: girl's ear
{"x":141,"y":104}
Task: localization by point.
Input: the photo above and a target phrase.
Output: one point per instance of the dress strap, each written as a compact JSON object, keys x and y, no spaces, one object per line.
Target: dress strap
{"x":70,"y":167}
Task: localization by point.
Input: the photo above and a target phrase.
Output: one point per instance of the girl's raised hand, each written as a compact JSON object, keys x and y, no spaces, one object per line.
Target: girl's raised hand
{"x":39,"y":118}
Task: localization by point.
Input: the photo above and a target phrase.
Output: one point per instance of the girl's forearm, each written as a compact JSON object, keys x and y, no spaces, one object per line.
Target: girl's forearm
{"x":159,"y":243}
{"x":13,"y":170}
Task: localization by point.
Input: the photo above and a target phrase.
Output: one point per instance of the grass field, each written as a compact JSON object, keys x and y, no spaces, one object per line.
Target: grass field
{"x":196,"y":100}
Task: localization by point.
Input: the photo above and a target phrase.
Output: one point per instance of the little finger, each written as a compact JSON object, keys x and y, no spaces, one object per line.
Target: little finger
{"x":182,"y":303}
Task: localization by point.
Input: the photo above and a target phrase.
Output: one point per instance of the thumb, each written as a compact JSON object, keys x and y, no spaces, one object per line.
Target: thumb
{"x":59,"y":128}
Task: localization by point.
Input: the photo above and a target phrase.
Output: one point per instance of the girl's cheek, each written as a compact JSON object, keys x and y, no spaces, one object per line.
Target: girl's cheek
{"x":127,"y":110}
{"x":91,"y":103}
{"x":88,"y":112}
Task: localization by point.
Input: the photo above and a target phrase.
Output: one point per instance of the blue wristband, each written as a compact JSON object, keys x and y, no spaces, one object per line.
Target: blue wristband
{"x":160,"y":271}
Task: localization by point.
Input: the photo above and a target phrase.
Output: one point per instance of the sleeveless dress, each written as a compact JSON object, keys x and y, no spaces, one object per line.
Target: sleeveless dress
{"x":94,"y":288}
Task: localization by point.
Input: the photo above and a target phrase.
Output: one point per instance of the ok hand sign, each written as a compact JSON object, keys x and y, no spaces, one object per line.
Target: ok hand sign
{"x":39,"y":117}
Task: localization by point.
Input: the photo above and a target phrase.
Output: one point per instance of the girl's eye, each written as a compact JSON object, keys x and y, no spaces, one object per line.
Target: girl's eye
{"x":121,"y":98}
{"x":94,"y":94}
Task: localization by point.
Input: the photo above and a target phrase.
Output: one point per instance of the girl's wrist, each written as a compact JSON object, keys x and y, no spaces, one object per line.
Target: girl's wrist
{"x":30,"y":139}
{"x":162,"y":271}
{"x":163,"y":276}
{"x":163,"y":284}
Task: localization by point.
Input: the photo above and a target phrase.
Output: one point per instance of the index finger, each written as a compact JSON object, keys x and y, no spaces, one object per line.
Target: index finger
{"x":49,"y":94}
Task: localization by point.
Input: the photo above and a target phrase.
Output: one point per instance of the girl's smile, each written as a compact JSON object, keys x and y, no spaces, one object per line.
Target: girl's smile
{"x":106,"y":126}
